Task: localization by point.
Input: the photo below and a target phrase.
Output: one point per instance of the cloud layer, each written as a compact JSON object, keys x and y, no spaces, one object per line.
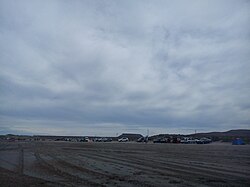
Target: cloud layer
{"x":104,"y":67}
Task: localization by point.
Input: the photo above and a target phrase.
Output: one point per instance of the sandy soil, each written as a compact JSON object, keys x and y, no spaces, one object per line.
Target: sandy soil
{"x":123,"y":164}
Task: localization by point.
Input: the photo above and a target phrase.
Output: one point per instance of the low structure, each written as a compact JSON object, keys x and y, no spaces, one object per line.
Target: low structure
{"x":238,"y":141}
{"x":130,"y":136}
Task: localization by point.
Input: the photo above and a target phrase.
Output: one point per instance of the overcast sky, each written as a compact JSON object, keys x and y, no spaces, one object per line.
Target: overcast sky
{"x":105,"y":67}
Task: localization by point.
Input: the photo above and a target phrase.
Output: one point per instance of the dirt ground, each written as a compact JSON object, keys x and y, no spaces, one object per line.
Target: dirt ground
{"x":123,"y":164}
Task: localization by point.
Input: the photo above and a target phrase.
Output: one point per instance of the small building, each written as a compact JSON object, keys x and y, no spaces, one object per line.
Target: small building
{"x":130,"y":136}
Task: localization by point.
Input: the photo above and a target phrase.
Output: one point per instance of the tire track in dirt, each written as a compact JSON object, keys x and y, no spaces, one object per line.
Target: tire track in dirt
{"x":151,"y":163}
{"x":185,"y":169}
{"x":109,"y":178}
{"x":6,"y":147}
{"x":70,"y":177}
{"x":100,"y":174}
{"x":3,"y":146}
{"x":201,"y":167}
{"x":172,"y":170}
{"x":207,"y":166}
{"x":20,"y":159}
{"x":213,"y":175}
{"x":143,"y":169}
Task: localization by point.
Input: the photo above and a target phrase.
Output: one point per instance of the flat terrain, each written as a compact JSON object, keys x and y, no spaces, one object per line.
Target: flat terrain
{"x":123,"y":164}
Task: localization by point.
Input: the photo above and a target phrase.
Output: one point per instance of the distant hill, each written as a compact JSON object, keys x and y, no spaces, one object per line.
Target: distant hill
{"x":231,"y":133}
{"x":227,"y":136}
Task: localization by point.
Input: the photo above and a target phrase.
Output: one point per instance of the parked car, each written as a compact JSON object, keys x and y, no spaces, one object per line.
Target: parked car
{"x":106,"y":139}
{"x":176,"y":140}
{"x":84,"y":140}
{"x":143,"y":139}
{"x":123,"y":139}
{"x":204,"y":141}
{"x":187,"y":140}
{"x":160,"y":140}
{"x":103,"y":139}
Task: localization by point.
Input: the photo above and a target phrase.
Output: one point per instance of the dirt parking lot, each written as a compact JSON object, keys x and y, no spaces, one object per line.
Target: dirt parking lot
{"x":123,"y":164}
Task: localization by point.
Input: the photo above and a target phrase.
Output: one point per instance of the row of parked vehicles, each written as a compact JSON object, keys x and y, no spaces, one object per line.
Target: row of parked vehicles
{"x":102,"y":139}
{"x":196,"y":141}
{"x":145,"y":139}
{"x":123,"y":139}
{"x":185,"y":140}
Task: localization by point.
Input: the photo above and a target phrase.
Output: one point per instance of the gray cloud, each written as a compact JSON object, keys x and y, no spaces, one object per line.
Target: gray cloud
{"x":110,"y":66}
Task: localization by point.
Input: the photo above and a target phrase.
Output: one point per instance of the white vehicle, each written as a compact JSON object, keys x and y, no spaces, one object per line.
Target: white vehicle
{"x":123,"y":139}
